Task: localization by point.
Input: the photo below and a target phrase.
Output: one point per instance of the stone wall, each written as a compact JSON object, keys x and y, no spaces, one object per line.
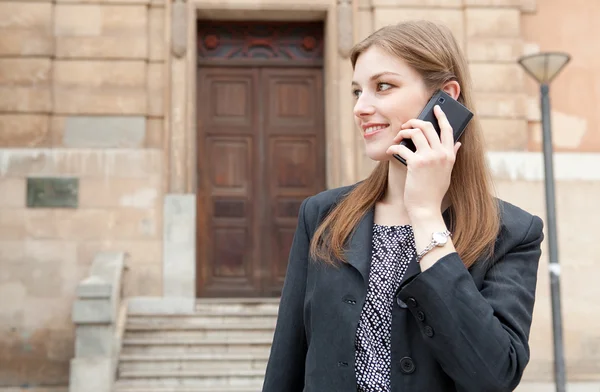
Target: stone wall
{"x":81,"y":95}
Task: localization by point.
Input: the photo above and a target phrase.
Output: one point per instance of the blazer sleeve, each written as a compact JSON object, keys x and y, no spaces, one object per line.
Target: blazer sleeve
{"x":480,"y":338}
{"x":285,"y":368}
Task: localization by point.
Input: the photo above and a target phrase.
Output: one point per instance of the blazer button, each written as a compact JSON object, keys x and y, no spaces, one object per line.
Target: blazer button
{"x":421,"y":316}
{"x":407,"y":365}
{"x":428,"y":331}
{"x":401,"y":303}
{"x":412,"y":302}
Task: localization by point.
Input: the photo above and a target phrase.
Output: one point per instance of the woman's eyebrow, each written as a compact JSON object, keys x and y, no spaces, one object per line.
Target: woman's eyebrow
{"x":377,"y":76}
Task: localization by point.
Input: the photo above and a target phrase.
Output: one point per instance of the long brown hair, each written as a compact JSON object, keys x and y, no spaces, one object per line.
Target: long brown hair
{"x":433,"y":52}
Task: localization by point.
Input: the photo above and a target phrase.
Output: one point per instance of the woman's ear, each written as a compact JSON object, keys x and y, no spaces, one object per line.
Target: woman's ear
{"x":452,"y":88}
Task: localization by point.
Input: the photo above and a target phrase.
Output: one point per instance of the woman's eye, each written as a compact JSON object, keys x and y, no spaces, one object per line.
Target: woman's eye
{"x":383,"y":86}
{"x":356,"y":93}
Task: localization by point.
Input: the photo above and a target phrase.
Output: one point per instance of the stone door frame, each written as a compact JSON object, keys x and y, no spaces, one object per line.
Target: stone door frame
{"x":179,"y":246}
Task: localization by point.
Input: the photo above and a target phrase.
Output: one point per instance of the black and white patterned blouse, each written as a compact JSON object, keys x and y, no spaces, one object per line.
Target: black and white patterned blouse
{"x":393,"y":248}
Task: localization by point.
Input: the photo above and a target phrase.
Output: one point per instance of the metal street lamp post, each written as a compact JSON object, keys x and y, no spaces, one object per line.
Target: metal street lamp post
{"x":543,"y":67}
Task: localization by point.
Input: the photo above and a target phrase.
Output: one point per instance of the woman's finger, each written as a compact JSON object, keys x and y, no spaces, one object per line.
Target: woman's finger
{"x":402,"y":151}
{"x":418,"y":138}
{"x":428,"y":130}
{"x":446,"y":132}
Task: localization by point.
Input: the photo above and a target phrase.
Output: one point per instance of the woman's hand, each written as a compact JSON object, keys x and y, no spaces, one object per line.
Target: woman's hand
{"x":430,"y":167}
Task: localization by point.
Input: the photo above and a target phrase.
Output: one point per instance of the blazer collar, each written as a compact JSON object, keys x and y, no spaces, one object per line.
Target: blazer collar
{"x":360,"y":247}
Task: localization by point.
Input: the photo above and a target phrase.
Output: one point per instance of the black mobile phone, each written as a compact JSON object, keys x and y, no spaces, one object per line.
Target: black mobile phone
{"x":458,"y":117}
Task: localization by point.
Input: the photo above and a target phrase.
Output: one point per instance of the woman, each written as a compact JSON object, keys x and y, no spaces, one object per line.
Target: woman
{"x":371,"y":302}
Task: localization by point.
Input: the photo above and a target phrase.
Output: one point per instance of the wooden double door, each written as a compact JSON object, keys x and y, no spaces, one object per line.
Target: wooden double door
{"x":261,"y":151}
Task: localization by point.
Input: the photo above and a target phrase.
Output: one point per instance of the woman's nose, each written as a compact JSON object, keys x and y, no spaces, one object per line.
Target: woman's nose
{"x":363,"y":108}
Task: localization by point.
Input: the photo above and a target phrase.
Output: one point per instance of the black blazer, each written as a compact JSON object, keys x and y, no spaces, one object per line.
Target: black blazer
{"x":453,"y":328}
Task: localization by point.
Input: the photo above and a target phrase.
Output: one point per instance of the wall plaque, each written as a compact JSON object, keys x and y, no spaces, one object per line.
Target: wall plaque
{"x":47,"y":192}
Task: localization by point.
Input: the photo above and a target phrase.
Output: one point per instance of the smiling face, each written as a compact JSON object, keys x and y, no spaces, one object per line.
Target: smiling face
{"x":387,"y":93}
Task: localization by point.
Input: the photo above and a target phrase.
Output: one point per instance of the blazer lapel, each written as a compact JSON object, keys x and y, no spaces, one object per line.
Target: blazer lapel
{"x":359,"y":250}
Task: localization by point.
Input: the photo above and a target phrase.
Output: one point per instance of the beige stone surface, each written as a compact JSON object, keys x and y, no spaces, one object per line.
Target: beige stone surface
{"x":13,"y":191}
{"x":156,"y":33}
{"x":156,"y":83}
{"x":101,"y":31}
{"x":154,"y":132}
{"x":506,"y":50}
{"x":501,"y":105}
{"x":497,"y":77}
{"x":24,"y":130}
{"x":505,"y":134}
{"x":106,"y":2}
{"x":100,"y":87}
{"x":493,"y":22}
{"x":364,"y":24}
{"x":139,"y":251}
{"x":24,"y":71}
{"x":26,"y":28}
{"x":140,"y":193}
{"x":24,"y":85}
{"x":113,"y":163}
{"x":419,"y":3}
{"x":494,"y":3}
{"x":453,"y":18}
{"x":143,"y":280}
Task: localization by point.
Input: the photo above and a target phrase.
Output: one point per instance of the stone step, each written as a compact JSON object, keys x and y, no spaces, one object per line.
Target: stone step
{"x":188,"y":365}
{"x":158,"y":340}
{"x":146,"y":347}
{"x":201,"y":319}
{"x":203,"y":335}
{"x":198,"y":323}
{"x":152,"y":388}
{"x":188,"y":385}
{"x":225,"y":375}
{"x":233,"y":307}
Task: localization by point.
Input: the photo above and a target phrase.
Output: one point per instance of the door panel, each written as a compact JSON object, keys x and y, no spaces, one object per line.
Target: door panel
{"x":227,"y":182}
{"x":261,"y":152}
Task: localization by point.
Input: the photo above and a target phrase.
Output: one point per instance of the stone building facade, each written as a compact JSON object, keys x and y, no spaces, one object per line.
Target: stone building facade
{"x":111,"y":94}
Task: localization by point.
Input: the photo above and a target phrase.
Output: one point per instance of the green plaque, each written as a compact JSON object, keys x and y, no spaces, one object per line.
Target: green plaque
{"x":48,"y":192}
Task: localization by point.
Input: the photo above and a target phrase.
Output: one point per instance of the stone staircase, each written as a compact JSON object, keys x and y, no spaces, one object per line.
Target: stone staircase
{"x":222,"y":347}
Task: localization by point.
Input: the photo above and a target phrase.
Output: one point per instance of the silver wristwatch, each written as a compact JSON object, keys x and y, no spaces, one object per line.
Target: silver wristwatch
{"x":439,"y":238}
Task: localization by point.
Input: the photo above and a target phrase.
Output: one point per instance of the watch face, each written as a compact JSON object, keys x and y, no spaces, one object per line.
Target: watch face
{"x":440,"y":238}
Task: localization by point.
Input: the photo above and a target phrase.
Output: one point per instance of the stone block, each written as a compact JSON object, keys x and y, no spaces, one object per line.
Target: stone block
{"x":112,"y":163}
{"x":494,"y":49}
{"x":154,"y":132}
{"x":101,"y":31}
{"x":505,"y":134}
{"x":104,"y":131}
{"x":61,"y":224}
{"x":24,"y":71}
{"x":493,"y":22}
{"x":452,"y":18}
{"x":157,"y":45}
{"x":25,"y":99}
{"x":100,"y":87}
{"x":179,"y":275}
{"x":418,"y":3}
{"x":13,"y":195}
{"x":501,"y":105}
{"x":94,"y":287}
{"x":497,"y":78}
{"x":91,"y":375}
{"x":26,"y":28}
{"x":24,"y":130}
{"x":156,"y":91}
{"x":105,"y":2}
{"x":120,"y":192}
{"x":93,"y":311}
